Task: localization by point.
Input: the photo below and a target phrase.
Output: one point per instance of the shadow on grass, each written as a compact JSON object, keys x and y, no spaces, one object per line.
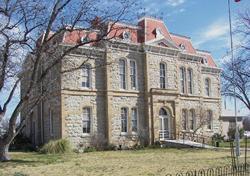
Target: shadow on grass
{"x":19,"y":161}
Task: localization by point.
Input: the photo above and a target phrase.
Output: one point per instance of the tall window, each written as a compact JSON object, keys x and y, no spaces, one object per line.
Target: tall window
{"x":86,"y":75}
{"x":51,"y":123}
{"x":207,"y":87}
{"x":86,"y":120}
{"x":162,"y":75}
{"x":190,"y":81}
{"x":134,"y":120}
{"x":182,"y":79}
{"x":133,"y":74}
{"x":192,"y":120}
{"x":184,"y":119}
{"x":124,"y":120}
{"x":122,"y":72}
{"x":209,"y":119}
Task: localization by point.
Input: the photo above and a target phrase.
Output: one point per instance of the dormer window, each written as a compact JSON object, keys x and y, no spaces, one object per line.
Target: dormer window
{"x":126,"y":35}
{"x":182,"y":47}
{"x":84,"y":39}
{"x":158,"y":33}
{"x":204,"y":61}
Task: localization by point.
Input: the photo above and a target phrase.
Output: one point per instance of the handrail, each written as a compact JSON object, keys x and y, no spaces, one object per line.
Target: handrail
{"x":187,"y":135}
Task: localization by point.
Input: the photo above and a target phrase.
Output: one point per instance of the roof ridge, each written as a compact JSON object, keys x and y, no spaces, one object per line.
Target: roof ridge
{"x":180,"y":35}
{"x":204,"y":51}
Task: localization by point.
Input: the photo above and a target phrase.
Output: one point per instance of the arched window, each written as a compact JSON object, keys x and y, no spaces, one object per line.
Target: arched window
{"x":163,"y":112}
{"x":86,"y":75}
{"x":184,"y":119}
{"x":134,"y":119}
{"x":209,"y":119}
{"x":182,"y":79}
{"x":124,"y":120}
{"x":122,"y":73}
{"x":192,"y":122}
{"x":207,"y":87}
{"x":163,"y":74}
{"x":86,"y":120}
{"x":133,"y":74}
{"x":190,"y":81}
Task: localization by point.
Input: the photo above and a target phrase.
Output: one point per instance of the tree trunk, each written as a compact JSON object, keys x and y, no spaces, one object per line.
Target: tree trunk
{"x":4,"y":152}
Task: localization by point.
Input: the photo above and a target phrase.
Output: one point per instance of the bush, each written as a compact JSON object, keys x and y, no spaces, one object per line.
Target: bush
{"x":231,"y":133}
{"x":21,"y":143}
{"x":89,"y":149}
{"x":56,"y":147}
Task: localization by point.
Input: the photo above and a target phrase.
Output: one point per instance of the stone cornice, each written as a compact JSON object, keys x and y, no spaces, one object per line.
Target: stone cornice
{"x":214,"y":70}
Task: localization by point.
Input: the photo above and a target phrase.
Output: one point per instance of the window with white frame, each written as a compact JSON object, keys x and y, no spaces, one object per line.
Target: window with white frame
{"x":163,"y":75}
{"x":192,"y":122}
{"x":124,"y":120}
{"x":190,"y":81}
{"x":209,"y":119}
{"x":133,"y":72}
{"x":182,"y":79}
{"x":134,"y":119}
{"x":207,"y":87}
{"x":86,"y":76}
{"x":184,"y":119}
{"x":51,"y":123}
{"x":122,"y":73}
{"x":86,"y":120}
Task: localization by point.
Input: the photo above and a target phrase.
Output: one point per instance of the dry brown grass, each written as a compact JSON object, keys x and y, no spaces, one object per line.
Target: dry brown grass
{"x":147,"y":162}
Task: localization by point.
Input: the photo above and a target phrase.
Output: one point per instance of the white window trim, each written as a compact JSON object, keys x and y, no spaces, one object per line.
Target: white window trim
{"x":209,"y":87}
{"x":184,"y":80}
{"x":137,"y":121}
{"x":90,"y":77}
{"x":166,"y":75}
{"x":90,"y":121}
{"x":125,"y":74}
{"x":188,"y":81}
{"x":136,"y":75}
{"x":123,"y":132}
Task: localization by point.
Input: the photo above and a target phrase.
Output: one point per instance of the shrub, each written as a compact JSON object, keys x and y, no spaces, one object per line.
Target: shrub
{"x":21,"y":143}
{"x":89,"y":149}
{"x":231,"y":133}
{"x":56,"y":147}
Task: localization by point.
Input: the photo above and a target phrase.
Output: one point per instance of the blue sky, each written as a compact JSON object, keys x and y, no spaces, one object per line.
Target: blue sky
{"x":205,"y":21}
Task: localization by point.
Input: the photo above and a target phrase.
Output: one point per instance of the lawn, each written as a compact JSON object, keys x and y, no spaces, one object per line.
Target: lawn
{"x":242,"y":143}
{"x":120,"y":163}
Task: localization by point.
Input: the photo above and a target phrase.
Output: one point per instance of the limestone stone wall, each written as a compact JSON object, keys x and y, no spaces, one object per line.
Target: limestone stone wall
{"x":72,"y":73}
{"x":128,"y":102}
{"x":73,"y":115}
{"x":114,"y":57}
{"x":196,"y":69}
{"x":215,"y":84}
{"x":154,"y":61}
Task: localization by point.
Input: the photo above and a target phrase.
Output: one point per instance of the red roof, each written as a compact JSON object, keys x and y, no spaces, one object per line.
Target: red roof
{"x":179,"y":40}
{"x":144,"y":31}
{"x":208,"y":57}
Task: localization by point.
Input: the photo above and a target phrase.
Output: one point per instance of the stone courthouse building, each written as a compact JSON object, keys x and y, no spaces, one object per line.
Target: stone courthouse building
{"x":146,"y":83}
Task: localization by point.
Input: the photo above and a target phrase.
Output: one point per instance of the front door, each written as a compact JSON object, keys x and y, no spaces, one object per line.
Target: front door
{"x":164,"y":130}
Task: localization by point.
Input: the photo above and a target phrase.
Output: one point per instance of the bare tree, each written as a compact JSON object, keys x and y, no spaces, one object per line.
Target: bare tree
{"x":240,"y":65}
{"x":21,"y":24}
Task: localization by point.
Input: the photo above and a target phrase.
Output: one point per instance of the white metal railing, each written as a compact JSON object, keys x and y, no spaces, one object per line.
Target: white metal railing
{"x":164,"y":134}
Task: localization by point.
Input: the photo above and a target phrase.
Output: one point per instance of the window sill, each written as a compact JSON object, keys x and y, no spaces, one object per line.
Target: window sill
{"x":134,"y":133}
{"x":124,"y":133}
{"x":85,"y":135}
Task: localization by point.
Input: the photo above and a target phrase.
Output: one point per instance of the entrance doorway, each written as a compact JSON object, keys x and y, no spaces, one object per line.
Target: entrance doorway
{"x":164,"y":130}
